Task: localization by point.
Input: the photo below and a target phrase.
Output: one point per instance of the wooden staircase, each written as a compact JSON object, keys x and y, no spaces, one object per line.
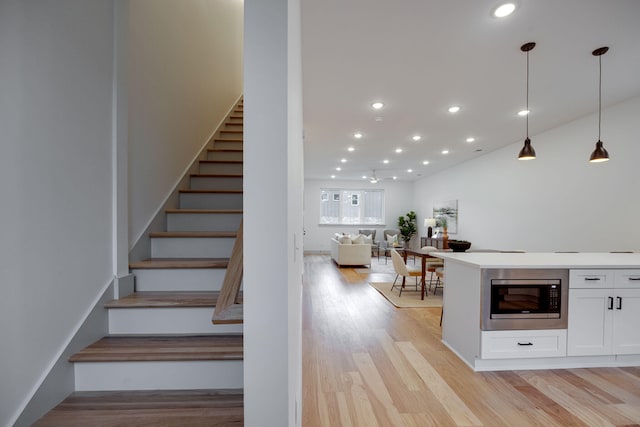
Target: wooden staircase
{"x":165,"y":362}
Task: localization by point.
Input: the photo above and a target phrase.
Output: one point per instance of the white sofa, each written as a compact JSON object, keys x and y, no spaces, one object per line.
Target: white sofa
{"x":350,"y":253}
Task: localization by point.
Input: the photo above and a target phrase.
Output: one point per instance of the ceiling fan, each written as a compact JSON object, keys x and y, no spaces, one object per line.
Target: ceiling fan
{"x":374,"y":179}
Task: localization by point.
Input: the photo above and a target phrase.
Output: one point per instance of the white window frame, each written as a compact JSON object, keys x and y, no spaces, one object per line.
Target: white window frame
{"x":337,"y":206}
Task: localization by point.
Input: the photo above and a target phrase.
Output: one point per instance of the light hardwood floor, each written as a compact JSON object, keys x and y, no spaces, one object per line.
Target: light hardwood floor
{"x":366,"y":363}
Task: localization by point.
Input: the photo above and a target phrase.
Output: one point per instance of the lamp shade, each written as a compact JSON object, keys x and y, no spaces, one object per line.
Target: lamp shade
{"x":600,"y":154}
{"x":527,"y":152}
{"x":429,"y":222}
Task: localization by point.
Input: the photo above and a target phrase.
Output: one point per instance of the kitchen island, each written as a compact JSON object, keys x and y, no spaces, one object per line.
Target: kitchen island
{"x":602,"y":320}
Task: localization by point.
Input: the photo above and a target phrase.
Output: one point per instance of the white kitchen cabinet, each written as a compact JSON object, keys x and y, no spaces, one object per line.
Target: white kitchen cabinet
{"x":604,"y":312}
{"x":524,"y":344}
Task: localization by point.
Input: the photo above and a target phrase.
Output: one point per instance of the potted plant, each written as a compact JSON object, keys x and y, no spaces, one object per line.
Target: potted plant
{"x":407,"y":225}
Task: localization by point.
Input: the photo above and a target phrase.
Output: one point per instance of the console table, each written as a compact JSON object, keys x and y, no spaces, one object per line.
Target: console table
{"x":436,"y":242}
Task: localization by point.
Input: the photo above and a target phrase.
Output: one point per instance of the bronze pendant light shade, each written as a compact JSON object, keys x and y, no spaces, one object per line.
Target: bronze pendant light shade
{"x":527,"y":152}
{"x":599,"y":154}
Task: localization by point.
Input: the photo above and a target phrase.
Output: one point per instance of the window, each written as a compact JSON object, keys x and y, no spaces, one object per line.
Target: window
{"x":359,"y":207}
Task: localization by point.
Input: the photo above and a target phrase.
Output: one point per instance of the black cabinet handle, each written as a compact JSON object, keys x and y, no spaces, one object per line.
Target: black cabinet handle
{"x":634,"y":278}
{"x":525,"y":343}
{"x":619,"y":307}
{"x":610,"y":307}
{"x":591,"y":278}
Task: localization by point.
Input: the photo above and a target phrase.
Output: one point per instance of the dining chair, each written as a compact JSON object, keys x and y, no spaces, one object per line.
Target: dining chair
{"x":439,"y":280}
{"x":402,"y":269}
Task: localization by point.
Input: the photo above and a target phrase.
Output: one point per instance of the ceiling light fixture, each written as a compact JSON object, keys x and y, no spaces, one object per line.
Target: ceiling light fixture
{"x":385,"y":161}
{"x":350,"y":149}
{"x":409,"y":170}
{"x":357,"y":135}
{"x":416,"y":137}
{"x":470,"y":139}
{"x":527,"y":152}
{"x":454,"y":109}
{"x":333,"y":177}
{"x":398,"y":150}
{"x":377,"y":105}
{"x":445,"y":151}
{"x":523,"y":113}
{"x":374,"y":178}
{"x":599,"y":154}
{"x":343,"y":160}
{"x":504,"y":10}
{"x":426,"y":162}
{"x":338,"y":168}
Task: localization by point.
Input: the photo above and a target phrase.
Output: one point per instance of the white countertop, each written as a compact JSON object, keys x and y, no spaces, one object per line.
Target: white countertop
{"x":543,"y":259}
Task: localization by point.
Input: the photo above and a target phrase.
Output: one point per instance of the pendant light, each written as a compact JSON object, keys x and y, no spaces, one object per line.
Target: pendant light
{"x":599,"y":154}
{"x":527,"y":152}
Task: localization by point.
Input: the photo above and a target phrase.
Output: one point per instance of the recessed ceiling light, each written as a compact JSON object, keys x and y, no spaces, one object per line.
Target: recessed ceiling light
{"x":395,"y":177}
{"x":470,"y":139}
{"x":398,"y":150}
{"x":385,"y":161}
{"x":377,"y":105}
{"x":409,"y":170}
{"x":338,"y":168}
{"x":364,"y":176}
{"x":504,"y":9}
{"x":416,"y":137}
{"x":343,"y":160}
{"x":350,"y":149}
{"x":523,"y":113}
{"x":333,"y":177}
{"x":454,"y":109}
{"x":357,"y":135}
{"x":445,"y":151}
{"x":426,"y":162}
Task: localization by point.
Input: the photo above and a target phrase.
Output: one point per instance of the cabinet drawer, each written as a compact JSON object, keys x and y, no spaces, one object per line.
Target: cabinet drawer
{"x":523,"y":344}
{"x":627,"y":278}
{"x":591,"y":279}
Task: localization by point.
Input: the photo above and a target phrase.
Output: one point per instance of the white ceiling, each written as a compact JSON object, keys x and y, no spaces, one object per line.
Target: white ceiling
{"x":421,"y":56}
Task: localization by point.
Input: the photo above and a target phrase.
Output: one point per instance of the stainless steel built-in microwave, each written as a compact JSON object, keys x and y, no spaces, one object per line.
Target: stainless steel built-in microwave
{"x":524,"y":299}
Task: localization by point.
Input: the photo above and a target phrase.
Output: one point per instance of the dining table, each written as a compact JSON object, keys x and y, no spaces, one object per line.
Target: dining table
{"x":426,"y":259}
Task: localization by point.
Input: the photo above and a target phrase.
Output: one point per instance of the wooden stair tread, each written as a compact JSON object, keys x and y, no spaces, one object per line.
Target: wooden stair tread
{"x":226,"y":150}
{"x":172,"y":263}
{"x":211,"y":191}
{"x":217,"y":175}
{"x":234,"y":162}
{"x":192,"y":234}
{"x":134,"y":348}
{"x":231,"y":130}
{"x":223,"y":407}
{"x":228,"y":140}
{"x":157,"y":299}
{"x":205,"y":211}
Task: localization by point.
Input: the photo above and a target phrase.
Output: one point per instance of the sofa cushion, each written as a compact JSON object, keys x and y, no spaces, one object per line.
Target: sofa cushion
{"x":367,"y":238}
{"x":357,"y":239}
{"x":345,"y":240}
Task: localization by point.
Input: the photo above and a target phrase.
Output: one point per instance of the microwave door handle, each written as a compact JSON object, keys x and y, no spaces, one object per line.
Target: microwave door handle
{"x":610,"y":307}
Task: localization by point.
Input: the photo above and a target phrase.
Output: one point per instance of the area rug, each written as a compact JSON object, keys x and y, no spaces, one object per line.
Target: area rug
{"x":409,"y":298}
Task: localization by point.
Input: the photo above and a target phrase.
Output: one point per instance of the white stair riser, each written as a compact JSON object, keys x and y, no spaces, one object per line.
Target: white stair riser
{"x":211,"y":200}
{"x":234,"y":145}
{"x":184,"y":320}
{"x":196,"y":279}
{"x":191,"y":247}
{"x":203,"y":221}
{"x":221,"y":168}
{"x":225,"y":155}
{"x":216,"y":183}
{"x":180,"y":375}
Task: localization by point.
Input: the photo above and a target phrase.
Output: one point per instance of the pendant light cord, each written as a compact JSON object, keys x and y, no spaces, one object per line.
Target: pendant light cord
{"x":527,"y":118}
{"x":599,"y":96}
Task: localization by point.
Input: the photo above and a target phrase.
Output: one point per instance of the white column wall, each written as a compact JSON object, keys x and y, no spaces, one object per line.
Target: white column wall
{"x":273,"y":185}
{"x":558,"y":202}
{"x":185,"y":72}
{"x":55,"y":181}
{"x":398,"y":197}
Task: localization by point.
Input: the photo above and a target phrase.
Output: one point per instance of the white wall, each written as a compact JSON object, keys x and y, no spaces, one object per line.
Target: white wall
{"x":558,"y":202}
{"x":185,"y":72}
{"x":398,"y":201}
{"x":55,"y":181}
{"x":273,"y":185}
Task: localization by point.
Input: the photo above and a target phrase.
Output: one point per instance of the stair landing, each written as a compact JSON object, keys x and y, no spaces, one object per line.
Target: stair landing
{"x":148,"y":408}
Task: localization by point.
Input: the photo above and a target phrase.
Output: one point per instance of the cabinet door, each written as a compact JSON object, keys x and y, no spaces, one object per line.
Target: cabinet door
{"x":590,"y":322}
{"x":626,"y":321}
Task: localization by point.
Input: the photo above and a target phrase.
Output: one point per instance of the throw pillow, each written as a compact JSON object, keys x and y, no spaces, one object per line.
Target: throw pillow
{"x":367,"y":238}
{"x":357,"y":240}
{"x":392,"y":240}
{"x":345,"y":240}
